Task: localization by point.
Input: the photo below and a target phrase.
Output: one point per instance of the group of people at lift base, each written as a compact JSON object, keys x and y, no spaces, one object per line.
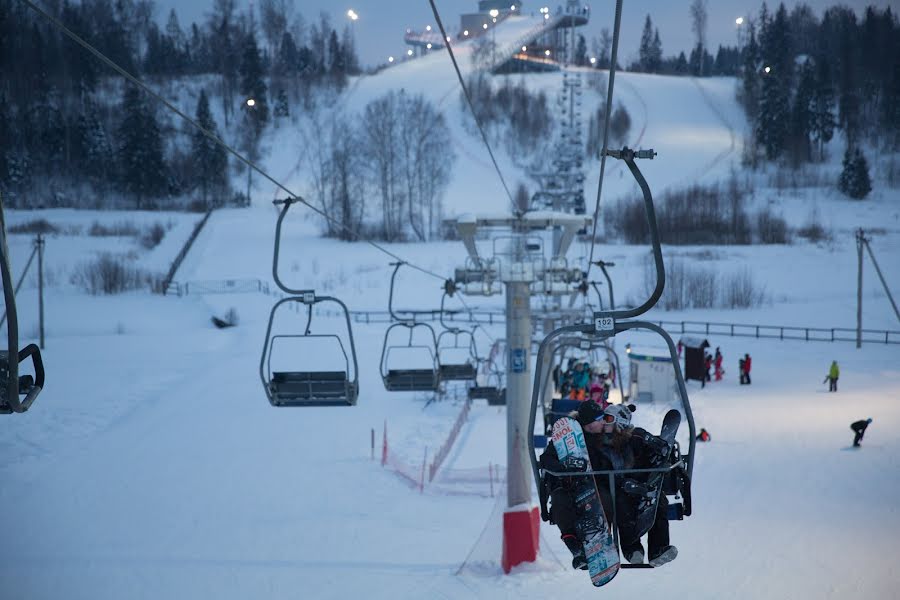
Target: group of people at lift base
{"x":613,"y":443}
{"x":581,"y":381}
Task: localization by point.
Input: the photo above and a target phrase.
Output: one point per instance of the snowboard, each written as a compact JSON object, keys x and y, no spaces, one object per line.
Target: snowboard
{"x":591,"y":524}
{"x":648,"y":492}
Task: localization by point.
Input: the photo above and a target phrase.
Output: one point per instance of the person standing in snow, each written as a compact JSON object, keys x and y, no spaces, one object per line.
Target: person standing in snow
{"x":717,"y":362}
{"x":745,"y":370}
{"x":613,"y":443}
{"x":707,"y":365}
{"x":832,"y":378}
{"x":859,"y":430}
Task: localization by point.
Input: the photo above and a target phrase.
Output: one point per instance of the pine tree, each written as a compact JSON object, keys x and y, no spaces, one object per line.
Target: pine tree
{"x":209,"y":158}
{"x":890,"y":118}
{"x":823,"y":107}
{"x":288,"y":58}
{"x":282,"y":108}
{"x":176,"y":46}
{"x":773,"y":123}
{"x":252,"y":84}
{"x":6,"y":137}
{"x":337,"y":67}
{"x":645,"y":49}
{"x":854,"y":180}
{"x":581,"y":58}
{"x":348,"y":51}
{"x":656,"y":53}
{"x":94,"y":148}
{"x":681,"y":64}
{"x":142,"y":168}
{"x":803,"y":116}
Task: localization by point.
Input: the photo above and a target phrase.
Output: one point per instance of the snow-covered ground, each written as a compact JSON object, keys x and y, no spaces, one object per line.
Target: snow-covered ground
{"x":153,"y":467}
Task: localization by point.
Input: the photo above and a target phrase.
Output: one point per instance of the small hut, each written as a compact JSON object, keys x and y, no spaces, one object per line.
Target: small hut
{"x":694,"y":352}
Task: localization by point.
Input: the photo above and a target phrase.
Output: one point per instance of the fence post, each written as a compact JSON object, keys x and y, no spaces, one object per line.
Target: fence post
{"x":384,"y":445}
{"x":491,"y":477}
{"x":373,"y":443}
{"x":757,"y":331}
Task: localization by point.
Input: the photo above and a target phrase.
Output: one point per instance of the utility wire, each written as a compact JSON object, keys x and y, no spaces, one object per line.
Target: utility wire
{"x":609,"y":97}
{"x":446,"y":38}
{"x":250,"y":164}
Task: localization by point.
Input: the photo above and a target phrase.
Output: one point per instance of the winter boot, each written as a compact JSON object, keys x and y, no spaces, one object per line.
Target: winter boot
{"x":633,"y":553}
{"x":666,"y":554}
{"x":577,"y":549}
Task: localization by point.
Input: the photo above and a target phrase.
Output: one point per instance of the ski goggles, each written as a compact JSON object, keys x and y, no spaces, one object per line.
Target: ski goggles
{"x":606,"y":418}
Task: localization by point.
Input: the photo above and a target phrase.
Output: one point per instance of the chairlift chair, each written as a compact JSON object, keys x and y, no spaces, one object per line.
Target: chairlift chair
{"x":17,"y":393}
{"x":603,"y":326}
{"x":457,"y":371}
{"x":416,"y":379}
{"x":310,"y":388}
{"x":302,"y":387}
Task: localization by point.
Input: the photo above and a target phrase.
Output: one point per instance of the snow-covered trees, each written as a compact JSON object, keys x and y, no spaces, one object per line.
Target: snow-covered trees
{"x":142,"y":169}
{"x":807,"y":78}
{"x":209,"y":159}
{"x":382,"y":172}
{"x":854,"y":180}
{"x":405,"y":138}
{"x":650,"y":51}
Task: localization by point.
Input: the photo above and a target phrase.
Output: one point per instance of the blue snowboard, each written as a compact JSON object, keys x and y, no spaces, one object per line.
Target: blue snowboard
{"x":591,"y":523}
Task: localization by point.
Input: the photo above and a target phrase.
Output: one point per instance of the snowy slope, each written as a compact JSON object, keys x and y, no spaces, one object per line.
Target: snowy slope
{"x":153,"y":467}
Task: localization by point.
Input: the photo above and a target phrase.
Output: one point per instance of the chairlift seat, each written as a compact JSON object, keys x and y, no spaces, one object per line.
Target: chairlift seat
{"x":463,"y":372}
{"x":312,"y":388}
{"x":411,"y":380}
{"x":494,"y":395}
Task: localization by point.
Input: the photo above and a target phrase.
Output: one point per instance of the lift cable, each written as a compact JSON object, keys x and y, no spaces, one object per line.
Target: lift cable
{"x":462,"y":83}
{"x":609,"y":98}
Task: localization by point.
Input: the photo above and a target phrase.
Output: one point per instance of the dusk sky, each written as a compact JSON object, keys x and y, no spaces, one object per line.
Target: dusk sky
{"x":381,"y":24}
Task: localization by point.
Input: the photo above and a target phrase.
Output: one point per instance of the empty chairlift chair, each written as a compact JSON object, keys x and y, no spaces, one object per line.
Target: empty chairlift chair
{"x":449,"y":364}
{"x":337,"y":387}
{"x":424,"y":376}
{"x":304,"y":386}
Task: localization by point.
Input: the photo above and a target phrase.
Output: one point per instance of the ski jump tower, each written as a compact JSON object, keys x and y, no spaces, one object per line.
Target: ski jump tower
{"x":518,"y":262}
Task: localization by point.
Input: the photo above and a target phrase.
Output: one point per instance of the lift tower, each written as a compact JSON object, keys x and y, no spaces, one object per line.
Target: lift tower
{"x":518,"y":261}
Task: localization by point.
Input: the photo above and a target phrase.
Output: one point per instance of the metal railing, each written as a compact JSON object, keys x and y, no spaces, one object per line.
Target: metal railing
{"x":498,"y":317}
{"x":781,"y":332}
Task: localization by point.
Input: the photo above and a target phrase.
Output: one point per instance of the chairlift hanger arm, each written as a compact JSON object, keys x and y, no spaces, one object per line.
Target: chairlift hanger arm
{"x":287,"y":205}
{"x":11,"y":403}
{"x":629,"y":156}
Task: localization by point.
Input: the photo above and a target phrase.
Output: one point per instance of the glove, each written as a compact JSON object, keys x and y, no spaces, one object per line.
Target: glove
{"x":574,"y":463}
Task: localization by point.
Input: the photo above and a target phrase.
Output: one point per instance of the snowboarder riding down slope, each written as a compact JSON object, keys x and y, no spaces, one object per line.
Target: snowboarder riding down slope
{"x":613,"y":443}
{"x":859,"y":430}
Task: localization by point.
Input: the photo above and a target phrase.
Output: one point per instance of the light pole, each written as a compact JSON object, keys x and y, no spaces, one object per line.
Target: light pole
{"x":250,"y":105}
{"x":738,"y":25}
{"x":494,"y":12}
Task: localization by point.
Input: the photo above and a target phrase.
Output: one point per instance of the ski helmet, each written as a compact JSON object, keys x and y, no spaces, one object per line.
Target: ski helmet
{"x":618,"y":414}
{"x":589,"y":411}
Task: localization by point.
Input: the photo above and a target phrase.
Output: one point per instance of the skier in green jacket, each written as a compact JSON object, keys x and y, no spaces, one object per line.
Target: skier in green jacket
{"x":833,"y":373}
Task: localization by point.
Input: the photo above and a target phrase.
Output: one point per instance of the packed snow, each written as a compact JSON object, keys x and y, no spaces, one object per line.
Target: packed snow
{"x":153,"y":467}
